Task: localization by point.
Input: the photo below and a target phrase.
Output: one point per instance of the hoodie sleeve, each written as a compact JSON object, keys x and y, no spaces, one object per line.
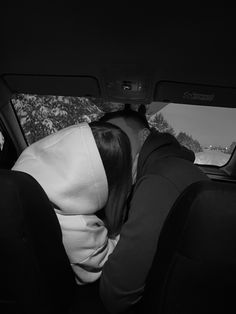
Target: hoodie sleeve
{"x":87,"y":245}
{"x":124,"y":275}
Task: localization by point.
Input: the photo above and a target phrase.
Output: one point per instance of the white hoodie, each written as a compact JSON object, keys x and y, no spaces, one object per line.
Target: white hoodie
{"x":68,"y":166}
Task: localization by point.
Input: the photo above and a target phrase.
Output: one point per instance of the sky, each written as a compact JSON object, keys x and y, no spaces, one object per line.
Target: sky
{"x":208,"y":125}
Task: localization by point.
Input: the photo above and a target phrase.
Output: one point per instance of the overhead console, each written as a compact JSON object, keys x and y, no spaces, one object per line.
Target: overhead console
{"x":204,"y":95}
{"x":127,"y":83}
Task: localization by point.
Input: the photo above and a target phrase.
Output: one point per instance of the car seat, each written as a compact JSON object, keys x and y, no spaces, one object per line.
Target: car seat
{"x":35,"y":273}
{"x":194,"y":270}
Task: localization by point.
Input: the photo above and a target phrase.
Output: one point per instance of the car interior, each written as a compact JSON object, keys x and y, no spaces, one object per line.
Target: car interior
{"x":131,"y":55}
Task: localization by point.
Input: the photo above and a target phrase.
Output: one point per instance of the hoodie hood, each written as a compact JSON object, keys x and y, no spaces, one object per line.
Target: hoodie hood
{"x":68,"y":166}
{"x":164,"y":145}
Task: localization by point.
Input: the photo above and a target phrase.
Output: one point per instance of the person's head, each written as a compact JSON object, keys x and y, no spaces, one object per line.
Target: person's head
{"x":135,"y":125}
{"x":115,"y":151}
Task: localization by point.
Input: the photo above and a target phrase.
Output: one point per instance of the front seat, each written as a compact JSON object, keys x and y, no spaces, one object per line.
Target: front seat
{"x":35,"y":273}
{"x":194,"y":270}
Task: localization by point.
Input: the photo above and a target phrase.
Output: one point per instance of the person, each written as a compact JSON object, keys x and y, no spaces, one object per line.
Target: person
{"x":165,"y":169}
{"x":77,"y":167}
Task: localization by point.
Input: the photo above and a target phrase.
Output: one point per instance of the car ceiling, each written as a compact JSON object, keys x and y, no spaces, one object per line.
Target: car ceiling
{"x":116,"y":43}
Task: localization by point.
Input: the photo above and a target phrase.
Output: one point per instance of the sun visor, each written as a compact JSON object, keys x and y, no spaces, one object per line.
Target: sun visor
{"x":53,"y":85}
{"x":204,"y":95}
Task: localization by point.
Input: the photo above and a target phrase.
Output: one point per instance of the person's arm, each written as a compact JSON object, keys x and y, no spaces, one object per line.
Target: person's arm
{"x":125,"y":272}
{"x":88,"y":247}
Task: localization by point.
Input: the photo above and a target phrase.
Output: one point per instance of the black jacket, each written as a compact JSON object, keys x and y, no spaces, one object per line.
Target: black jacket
{"x":165,"y":169}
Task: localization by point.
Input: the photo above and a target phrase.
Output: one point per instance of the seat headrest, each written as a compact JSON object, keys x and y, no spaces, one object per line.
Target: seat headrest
{"x":204,"y":220}
{"x":34,"y":267}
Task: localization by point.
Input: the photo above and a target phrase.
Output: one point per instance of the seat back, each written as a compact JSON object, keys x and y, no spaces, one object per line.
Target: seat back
{"x":35,"y":272}
{"x":194,"y":270}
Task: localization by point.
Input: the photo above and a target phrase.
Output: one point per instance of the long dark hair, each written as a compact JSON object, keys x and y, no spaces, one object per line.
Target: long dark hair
{"x":115,"y":151}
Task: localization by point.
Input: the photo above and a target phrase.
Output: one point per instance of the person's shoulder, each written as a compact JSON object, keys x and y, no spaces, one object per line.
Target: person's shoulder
{"x":154,"y":180}
{"x":160,"y":138}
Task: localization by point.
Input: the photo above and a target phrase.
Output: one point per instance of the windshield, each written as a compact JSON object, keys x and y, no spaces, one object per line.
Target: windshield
{"x":208,"y":131}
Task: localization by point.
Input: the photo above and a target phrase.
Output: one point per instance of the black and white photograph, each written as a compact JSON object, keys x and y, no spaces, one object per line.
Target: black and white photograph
{"x":117,"y":158}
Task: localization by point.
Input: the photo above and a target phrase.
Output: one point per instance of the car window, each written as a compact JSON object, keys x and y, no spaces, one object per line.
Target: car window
{"x":40,"y":116}
{"x":208,"y":131}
